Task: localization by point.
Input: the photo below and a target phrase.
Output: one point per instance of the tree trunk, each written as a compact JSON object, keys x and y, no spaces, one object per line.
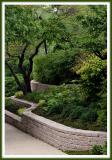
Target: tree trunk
{"x":27,"y":86}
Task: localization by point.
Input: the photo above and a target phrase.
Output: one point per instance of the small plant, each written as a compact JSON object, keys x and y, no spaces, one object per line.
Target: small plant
{"x":19,"y":94}
{"x":105,"y":148}
{"x":21,"y":110}
{"x":76,"y":112}
{"x":10,"y":105}
{"x":8,"y":102}
{"x":41,"y":102}
{"x":97,"y":150}
{"x":89,"y":115}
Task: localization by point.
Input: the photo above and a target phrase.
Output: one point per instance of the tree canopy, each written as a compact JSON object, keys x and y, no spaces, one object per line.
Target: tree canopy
{"x":33,"y":30}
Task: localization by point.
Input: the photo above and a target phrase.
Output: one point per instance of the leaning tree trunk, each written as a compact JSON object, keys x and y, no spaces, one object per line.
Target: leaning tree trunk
{"x":27,"y":86}
{"x":27,"y":73}
{"x":14,"y":75}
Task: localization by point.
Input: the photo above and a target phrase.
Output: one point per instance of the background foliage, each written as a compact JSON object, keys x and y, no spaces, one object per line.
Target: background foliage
{"x":61,"y":45}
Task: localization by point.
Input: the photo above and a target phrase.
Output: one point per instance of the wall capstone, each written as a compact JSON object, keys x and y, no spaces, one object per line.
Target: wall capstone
{"x":37,"y":86}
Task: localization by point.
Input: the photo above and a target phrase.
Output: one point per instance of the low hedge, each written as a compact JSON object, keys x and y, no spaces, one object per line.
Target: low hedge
{"x":54,"y":68}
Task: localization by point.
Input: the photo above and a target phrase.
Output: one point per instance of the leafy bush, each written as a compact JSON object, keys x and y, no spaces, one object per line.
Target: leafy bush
{"x":11,"y":86}
{"x":54,"y":68}
{"x":98,"y":149}
{"x":41,"y":102}
{"x":10,"y":105}
{"x":93,"y":74}
{"x":89,"y":116}
{"x":19,"y":94}
{"x":73,"y":112}
{"x":102,"y":113}
{"x":64,"y":100}
{"x":8,"y":102}
{"x":35,"y":96}
{"x":105,"y":148}
{"x":93,"y":77}
{"x":21,"y":110}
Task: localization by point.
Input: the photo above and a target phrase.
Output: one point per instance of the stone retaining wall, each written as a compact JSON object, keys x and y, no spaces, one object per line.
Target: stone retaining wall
{"x":58,"y":135}
{"x":37,"y":86}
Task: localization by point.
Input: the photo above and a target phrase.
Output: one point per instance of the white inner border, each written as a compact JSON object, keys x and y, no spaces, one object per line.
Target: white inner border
{"x":108,"y":79}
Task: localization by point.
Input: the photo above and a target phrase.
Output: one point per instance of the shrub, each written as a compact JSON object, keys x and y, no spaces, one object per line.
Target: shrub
{"x":21,"y":110}
{"x":76,"y":112}
{"x":42,"y":102}
{"x":10,"y":105}
{"x":35,"y":96}
{"x":19,"y":94}
{"x":102,"y":112}
{"x":54,"y":68}
{"x":97,"y":150}
{"x":102,"y":119}
{"x":93,"y":74}
{"x":55,"y":106}
{"x":105,"y":148}
{"x":11,"y":86}
{"x":90,"y":115}
{"x":64,"y":100}
{"x":8,"y":102}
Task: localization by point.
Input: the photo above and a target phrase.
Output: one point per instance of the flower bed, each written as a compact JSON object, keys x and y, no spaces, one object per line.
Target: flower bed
{"x":66,"y":104}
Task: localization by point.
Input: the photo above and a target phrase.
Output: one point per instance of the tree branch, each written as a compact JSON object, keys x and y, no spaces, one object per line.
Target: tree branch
{"x":32,"y":56}
{"x":14,"y":75}
{"x":36,"y":50}
{"x":21,"y":60}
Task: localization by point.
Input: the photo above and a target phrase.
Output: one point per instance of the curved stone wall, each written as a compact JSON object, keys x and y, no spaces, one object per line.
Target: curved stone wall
{"x":37,"y":86}
{"x":58,"y":135}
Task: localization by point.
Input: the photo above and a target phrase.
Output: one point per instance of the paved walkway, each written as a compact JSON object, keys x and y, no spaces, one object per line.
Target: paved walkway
{"x":20,"y":143}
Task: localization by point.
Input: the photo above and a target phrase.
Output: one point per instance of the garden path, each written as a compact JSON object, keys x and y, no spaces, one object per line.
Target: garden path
{"x":20,"y":143}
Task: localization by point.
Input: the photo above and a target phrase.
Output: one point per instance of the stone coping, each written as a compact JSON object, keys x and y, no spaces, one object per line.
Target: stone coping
{"x":61,"y":127}
{"x":14,"y":116}
{"x":37,"y":82}
{"x":38,"y":86}
{"x":29,"y":105}
{"x":51,"y":123}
